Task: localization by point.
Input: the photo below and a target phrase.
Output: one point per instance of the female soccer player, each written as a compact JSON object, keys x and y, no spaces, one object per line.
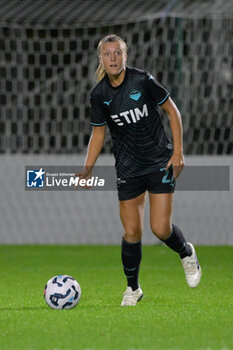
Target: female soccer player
{"x":126,"y":99}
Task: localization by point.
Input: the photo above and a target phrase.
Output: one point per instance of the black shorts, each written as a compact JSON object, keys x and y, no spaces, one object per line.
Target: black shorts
{"x":157,"y":182}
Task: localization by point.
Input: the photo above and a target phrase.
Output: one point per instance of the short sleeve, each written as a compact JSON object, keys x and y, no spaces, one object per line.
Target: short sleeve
{"x":98,"y":112}
{"x":155,"y":90}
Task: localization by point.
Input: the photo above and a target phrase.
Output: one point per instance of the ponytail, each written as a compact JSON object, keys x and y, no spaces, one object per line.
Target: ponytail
{"x":100,"y":73}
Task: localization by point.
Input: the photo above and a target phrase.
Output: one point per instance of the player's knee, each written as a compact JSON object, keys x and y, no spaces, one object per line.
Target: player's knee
{"x":133,"y":235}
{"x":161,"y":231}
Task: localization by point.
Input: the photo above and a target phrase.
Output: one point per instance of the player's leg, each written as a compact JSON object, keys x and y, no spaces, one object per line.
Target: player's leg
{"x":132,"y":213}
{"x":161,"y":205}
{"x":161,"y":225}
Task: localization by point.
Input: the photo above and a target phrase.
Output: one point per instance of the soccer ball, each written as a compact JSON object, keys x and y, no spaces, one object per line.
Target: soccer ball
{"x":62,"y":292}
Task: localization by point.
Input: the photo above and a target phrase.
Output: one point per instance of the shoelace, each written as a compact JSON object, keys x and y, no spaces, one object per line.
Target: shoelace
{"x":190,"y":267}
{"x":128,"y":301}
{"x":127,"y":296}
{"x":128,"y":293}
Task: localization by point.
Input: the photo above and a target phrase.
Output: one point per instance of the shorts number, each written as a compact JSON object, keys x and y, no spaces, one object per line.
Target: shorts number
{"x":165,"y":179}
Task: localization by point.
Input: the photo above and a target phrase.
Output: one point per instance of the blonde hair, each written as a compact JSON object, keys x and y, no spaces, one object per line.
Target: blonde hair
{"x":100,"y":72}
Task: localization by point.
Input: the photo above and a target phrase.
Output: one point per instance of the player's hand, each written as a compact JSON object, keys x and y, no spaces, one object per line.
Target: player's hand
{"x":85,"y":174}
{"x":177,"y":161}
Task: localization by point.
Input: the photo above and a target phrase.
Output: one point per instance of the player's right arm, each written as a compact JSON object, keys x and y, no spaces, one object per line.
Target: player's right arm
{"x":98,"y":121}
{"x":95,"y":146}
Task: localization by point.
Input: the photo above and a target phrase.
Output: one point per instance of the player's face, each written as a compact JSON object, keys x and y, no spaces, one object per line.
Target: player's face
{"x":113,"y":58}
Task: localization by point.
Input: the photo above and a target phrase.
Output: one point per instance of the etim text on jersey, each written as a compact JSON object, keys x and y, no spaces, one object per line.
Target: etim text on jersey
{"x":131,"y":116}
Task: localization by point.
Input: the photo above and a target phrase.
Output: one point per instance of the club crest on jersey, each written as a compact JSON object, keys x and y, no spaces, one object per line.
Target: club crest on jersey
{"x":135,"y":95}
{"x":131,"y":116}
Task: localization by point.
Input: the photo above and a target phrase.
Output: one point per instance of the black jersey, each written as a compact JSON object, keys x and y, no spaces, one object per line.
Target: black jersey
{"x":140,"y":144}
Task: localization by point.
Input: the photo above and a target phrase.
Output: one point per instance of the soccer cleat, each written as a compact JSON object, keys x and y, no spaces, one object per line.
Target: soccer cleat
{"x":131,"y":297}
{"x":192,"y":268}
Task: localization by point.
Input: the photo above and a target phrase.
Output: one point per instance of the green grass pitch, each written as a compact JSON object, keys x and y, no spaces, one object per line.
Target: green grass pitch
{"x":171,"y":315}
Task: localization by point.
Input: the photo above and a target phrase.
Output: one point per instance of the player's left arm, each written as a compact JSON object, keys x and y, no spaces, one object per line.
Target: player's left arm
{"x":177,"y":159}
